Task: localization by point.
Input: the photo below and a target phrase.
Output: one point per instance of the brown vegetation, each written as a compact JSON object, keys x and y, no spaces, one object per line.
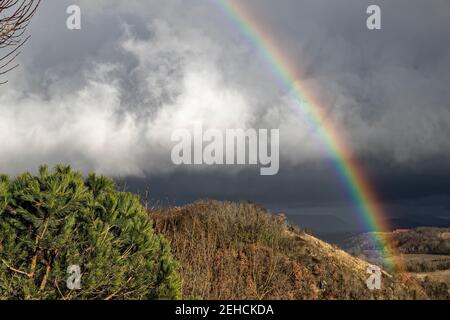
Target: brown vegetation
{"x":425,"y":262}
{"x":424,"y":240}
{"x":424,"y":252}
{"x":240,"y":251}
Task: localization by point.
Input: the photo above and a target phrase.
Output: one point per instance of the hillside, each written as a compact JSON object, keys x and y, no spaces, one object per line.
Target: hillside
{"x":239,"y":251}
{"x":424,"y":252}
{"x":422,"y":249}
{"x":425,"y":240}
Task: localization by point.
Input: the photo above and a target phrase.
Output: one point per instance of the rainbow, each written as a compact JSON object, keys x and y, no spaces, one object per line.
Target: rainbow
{"x":349,"y":170}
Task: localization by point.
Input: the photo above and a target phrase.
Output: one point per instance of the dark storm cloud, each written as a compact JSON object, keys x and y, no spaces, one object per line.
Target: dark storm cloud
{"x":107,"y":97}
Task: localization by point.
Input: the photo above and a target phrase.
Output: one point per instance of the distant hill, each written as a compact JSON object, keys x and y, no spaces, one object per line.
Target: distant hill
{"x":424,"y":252}
{"x":424,"y":240}
{"x":240,"y":251}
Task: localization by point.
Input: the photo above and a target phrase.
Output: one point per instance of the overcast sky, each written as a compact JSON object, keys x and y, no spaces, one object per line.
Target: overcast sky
{"x":106,"y":98}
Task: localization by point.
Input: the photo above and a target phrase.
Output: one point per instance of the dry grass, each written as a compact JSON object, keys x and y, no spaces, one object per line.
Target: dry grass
{"x":436,"y":276}
{"x":422,"y":263}
{"x":239,"y":251}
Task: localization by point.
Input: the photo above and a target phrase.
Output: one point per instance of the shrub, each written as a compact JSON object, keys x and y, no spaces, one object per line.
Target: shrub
{"x":240,"y":251}
{"x":227,"y":250}
{"x":58,"y":219}
{"x":436,"y":289}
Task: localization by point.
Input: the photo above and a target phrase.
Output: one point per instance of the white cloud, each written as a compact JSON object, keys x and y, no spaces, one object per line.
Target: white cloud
{"x":117,"y":113}
{"x":180,"y":84}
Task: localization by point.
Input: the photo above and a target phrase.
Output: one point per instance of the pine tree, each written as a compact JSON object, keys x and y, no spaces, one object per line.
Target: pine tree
{"x":58,"y":219}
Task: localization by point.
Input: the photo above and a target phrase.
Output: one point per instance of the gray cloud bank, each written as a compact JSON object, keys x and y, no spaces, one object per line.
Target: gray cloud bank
{"x":107,"y":97}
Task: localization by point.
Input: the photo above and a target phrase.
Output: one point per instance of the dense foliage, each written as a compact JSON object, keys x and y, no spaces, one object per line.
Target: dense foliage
{"x":59,"y":219}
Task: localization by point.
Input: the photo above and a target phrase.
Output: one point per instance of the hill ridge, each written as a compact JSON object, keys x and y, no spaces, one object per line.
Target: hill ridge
{"x":239,"y":251}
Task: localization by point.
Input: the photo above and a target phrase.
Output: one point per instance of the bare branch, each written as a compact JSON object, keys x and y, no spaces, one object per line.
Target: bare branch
{"x":15,"y":16}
